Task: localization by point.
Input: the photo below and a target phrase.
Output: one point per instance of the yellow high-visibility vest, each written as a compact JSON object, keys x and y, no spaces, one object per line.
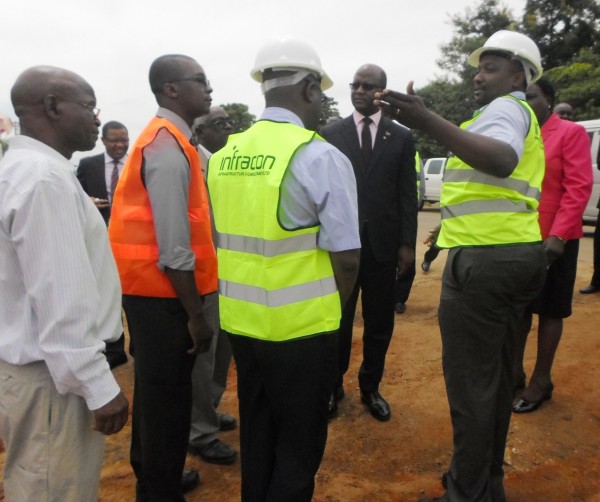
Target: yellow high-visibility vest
{"x":481,"y":210}
{"x":275,"y":284}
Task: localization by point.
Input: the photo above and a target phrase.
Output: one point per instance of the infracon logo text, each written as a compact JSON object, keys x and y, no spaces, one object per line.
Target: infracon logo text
{"x":237,"y":162}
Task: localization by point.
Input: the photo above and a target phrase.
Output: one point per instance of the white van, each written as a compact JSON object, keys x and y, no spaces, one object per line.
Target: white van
{"x":433,"y":172}
{"x":590,"y":215}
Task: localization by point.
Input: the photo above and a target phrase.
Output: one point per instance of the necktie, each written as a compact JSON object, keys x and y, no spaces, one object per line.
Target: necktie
{"x":114,"y":177}
{"x":366,"y":142}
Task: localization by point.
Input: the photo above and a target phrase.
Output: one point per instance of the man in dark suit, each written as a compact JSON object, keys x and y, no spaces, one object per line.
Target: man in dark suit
{"x":383,"y":157}
{"x":98,"y":176}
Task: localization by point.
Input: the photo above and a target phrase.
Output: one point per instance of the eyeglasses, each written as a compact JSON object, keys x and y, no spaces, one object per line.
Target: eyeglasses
{"x":92,"y":109}
{"x":220,"y":122}
{"x":201,"y":79}
{"x":355,"y":86}
{"x":118,"y":140}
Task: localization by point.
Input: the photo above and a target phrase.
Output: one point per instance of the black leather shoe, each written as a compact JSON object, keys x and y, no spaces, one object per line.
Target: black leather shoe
{"x":214,"y":452}
{"x":189,"y":480}
{"x":400,"y":308}
{"x":524,"y":406}
{"x":116,"y":359}
{"x":590,"y":289}
{"x":226,"y":422}
{"x":425,"y":266}
{"x":378,"y":406}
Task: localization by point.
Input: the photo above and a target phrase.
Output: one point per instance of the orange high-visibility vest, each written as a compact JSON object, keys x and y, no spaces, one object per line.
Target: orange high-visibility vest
{"x":131,"y":229}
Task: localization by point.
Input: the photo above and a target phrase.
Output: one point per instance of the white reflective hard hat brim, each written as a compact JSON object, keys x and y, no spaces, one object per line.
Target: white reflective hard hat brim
{"x":286,"y":53}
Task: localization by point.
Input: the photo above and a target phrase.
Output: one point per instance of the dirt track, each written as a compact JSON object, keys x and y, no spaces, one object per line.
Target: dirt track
{"x":553,"y":455}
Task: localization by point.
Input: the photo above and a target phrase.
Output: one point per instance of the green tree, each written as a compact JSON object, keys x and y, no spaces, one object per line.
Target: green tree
{"x":568,"y":35}
{"x":562,"y":28}
{"x":578,"y":83}
{"x":329,"y":109}
{"x":471,"y":30}
{"x":242,"y":118}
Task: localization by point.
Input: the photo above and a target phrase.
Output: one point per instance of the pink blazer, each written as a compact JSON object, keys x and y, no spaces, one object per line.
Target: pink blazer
{"x":567,"y":184}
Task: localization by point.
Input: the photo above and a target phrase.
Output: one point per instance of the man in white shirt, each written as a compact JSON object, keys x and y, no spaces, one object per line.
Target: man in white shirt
{"x":59,"y":298}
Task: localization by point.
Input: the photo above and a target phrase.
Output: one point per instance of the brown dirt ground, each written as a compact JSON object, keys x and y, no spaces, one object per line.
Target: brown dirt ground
{"x":553,"y":455}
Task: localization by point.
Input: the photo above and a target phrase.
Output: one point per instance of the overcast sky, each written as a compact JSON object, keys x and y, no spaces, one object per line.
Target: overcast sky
{"x":111,"y":43}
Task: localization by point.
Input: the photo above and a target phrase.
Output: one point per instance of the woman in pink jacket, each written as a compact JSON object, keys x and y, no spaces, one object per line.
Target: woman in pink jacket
{"x":566,"y":189}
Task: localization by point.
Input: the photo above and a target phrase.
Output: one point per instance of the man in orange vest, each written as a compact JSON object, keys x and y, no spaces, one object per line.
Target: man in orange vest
{"x":161,"y":238}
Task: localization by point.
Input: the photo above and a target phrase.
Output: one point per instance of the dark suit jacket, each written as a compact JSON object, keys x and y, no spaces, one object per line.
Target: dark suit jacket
{"x":90,"y":174}
{"x":387,"y":191}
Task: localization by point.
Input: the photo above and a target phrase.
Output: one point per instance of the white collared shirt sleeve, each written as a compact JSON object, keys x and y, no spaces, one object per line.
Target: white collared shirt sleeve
{"x":320,"y":188}
{"x":506,"y":120}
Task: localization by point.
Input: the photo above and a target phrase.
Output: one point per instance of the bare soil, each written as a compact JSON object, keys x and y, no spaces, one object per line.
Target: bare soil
{"x":553,"y":455}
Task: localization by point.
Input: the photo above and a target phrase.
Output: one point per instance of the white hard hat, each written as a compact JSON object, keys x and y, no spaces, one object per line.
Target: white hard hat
{"x":520,"y":46}
{"x":289,"y":54}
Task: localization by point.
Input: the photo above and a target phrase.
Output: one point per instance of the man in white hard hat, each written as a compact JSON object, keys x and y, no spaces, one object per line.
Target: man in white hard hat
{"x":285,"y":212}
{"x":496,"y":263}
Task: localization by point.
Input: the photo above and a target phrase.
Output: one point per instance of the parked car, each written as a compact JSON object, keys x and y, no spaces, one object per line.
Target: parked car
{"x":420,"y":180}
{"x":433,"y":172}
{"x":590,"y":215}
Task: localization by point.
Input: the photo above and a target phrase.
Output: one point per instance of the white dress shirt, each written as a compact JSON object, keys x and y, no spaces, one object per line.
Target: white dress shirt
{"x":319,"y":188}
{"x":60,"y":296}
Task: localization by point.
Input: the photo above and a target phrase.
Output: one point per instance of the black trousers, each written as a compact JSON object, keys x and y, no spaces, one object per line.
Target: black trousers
{"x":162,"y":397}
{"x":376,"y":281}
{"x":283,"y":391}
{"x":484,"y":294}
{"x":404,"y":284}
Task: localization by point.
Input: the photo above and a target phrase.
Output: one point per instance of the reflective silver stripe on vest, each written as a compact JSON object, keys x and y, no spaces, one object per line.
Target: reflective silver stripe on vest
{"x":484,"y":206}
{"x":470,"y":175}
{"x":264,"y":247}
{"x":278,"y":297}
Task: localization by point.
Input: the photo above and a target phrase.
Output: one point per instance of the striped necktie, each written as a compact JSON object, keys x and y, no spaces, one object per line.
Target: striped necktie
{"x":114,"y":178}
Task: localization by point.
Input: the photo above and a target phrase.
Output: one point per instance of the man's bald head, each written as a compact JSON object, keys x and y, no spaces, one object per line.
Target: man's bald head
{"x":213,"y":113}
{"x":57,"y":107}
{"x":564,"y":111}
{"x":368,"y":80}
{"x":168,"y":68}
{"x":34,"y":84}
{"x":180,"y":85}
{"x":213,"y":129}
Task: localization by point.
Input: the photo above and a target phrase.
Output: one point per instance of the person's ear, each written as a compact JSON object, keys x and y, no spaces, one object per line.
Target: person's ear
{"x":312,"y":91}
{"x":50,"y":104}
{"x":170,"y":90}
{"x":519,"y":80}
